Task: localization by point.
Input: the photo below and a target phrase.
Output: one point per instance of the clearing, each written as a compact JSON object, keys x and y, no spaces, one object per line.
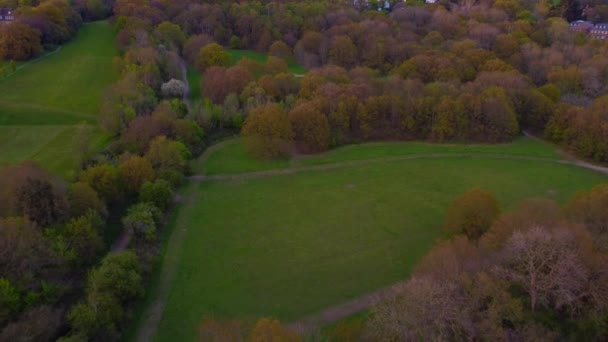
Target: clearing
{"x":51,"y":104}
{"x":298,"y":236}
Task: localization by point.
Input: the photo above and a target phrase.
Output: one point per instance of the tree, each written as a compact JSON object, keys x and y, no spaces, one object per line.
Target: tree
{"x":267,"y":131}
{"x":106,"y":180}
{"x":135,"y":172}
{"x":141,"y":219}
{"x":471,"y":214}
{"x":310,"y":128}
{"x":591,"y":209}
{"x":343,"y":52}
{"x":18,"y":41}
{"x":214,"y":330}
{"x":158,"y":193}
{"x":119,"y":276}
{"x":280,"y":49}
{"x":271,"y":330}
{"x":212,"y":55}
{"x":171,"y":35}
{"x":83,"y":239}
{"x":173,"y":88}
{"x":547,"y":265}
{"x":10,"y":300}
{"x":38,"y":201}
{"x":166,"y":154}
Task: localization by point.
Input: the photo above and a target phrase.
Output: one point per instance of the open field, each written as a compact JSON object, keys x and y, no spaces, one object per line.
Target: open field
{"x":48,"y":105}
{"x":290,"y":245}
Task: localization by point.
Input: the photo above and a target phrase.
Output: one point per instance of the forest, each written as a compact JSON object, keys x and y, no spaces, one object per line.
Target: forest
{"x":451,"y":72}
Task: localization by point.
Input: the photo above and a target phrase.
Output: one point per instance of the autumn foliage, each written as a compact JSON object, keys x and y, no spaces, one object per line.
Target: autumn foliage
{"x":268,"y":132}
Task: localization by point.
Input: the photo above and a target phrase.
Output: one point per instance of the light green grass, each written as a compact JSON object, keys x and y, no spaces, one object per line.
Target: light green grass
{"x":55,"y":148}
{"x":43,"y":105}
{"x":290,"y":245}
{"x":231,"y":157}
{"x":71,"y":80}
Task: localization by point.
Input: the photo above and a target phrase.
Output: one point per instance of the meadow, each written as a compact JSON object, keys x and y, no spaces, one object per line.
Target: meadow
{"x":290,"y":245}
{"x":46,"y":106}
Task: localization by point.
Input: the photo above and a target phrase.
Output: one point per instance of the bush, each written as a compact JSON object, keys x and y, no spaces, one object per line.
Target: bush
{"x":141,"y":219}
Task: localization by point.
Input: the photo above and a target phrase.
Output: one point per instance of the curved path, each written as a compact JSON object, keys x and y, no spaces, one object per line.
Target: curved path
{"x":154,"y":311}
{"x":354,"y":163}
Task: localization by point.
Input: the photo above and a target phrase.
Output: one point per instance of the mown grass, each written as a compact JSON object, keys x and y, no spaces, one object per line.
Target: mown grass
{"x":290,"y":245}
{"x":231,"y":156}
{"x":48,"y":105}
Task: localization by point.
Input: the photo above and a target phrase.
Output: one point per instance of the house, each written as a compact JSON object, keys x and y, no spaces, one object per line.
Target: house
{"x":599,"y":31}
{"x":6,"y":14}
{"x":581,"y":26}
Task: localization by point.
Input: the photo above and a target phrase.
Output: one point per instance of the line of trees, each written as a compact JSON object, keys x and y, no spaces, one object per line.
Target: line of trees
{"x":536,"y":272}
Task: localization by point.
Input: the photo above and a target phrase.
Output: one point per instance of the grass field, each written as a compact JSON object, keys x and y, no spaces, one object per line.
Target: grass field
{"x":291,"y":245}
{"x":45,"y":103}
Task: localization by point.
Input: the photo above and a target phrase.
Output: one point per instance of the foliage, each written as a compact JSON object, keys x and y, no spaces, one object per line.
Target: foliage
{"x":141,"y":219}
{"x":158,"y":193}
{"x":212,"y":55}
{"x":135,"y":172}
{"x":472,"y":214}
{"x":268,"y":132}
{"x":19,"y":41}
{"x":310,"y":127}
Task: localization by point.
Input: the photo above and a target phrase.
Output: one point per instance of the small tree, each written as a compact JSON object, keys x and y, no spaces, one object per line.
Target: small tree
{"x":173,"y":88}
{"x":141,"y":219}
{"x":267,"y":132}
{"x":136,"y":171}
{"x":159,"y":193}
{"x":472,"y":214}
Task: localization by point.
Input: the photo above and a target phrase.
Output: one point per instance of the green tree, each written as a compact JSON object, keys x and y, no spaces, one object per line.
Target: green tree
{"x":106,"y":180}
{"x":38,"y":201}
{"x":212,"y":55}
{"x":472,"y":214}
{"x":141,"y":219}
{"x":159,"y":193}
{"x":83,"y":239}
{"x":10,"y":300}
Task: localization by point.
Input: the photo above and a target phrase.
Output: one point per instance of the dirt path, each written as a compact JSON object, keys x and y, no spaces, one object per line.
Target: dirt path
{"x":154,"y":310}
{"x":326,"y":167}
{"x":310,"y":324}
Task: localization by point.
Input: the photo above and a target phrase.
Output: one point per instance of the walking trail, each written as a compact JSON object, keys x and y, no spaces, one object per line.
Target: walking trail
{"x":311,"y":323}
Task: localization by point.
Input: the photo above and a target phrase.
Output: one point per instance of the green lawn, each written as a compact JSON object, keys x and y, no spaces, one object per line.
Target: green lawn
{"x":291,"y":245}
{"x":43,"y":104}
{"x":231,"y":157}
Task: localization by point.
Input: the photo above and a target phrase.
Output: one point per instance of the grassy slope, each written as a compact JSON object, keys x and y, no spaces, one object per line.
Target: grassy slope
{"x":291,"y":245}
{"x":41,"y":104}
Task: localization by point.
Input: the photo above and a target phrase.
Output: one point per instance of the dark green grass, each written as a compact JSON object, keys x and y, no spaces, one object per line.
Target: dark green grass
{"x":291,"y":245}
{"x":194,"y":81}
{"x":46,"y":106}
{"x":231,"y":157}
